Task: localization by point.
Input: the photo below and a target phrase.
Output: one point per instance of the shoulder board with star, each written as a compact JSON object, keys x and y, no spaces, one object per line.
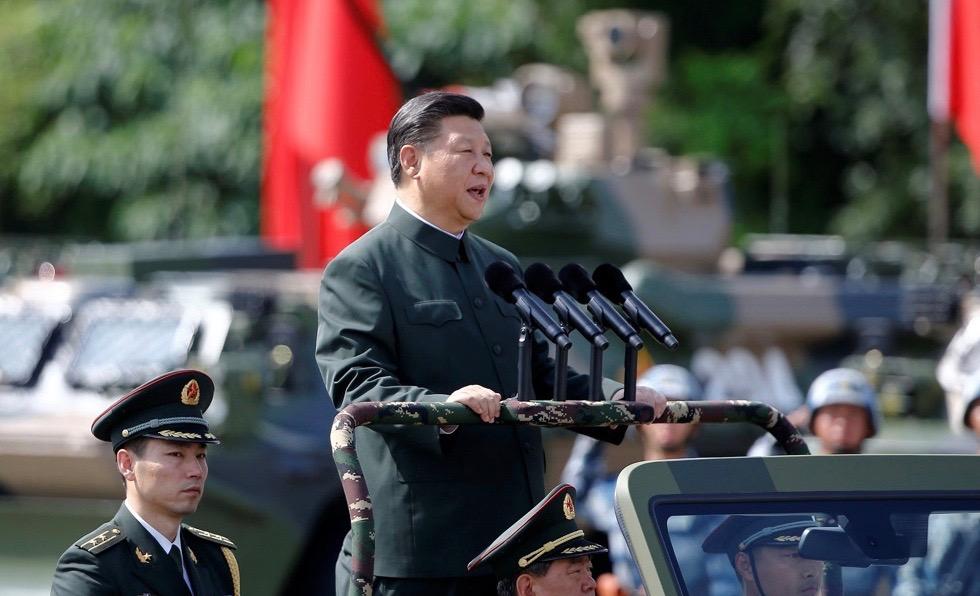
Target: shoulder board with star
{"x":101,"y":539}
{"x":210,"y":536}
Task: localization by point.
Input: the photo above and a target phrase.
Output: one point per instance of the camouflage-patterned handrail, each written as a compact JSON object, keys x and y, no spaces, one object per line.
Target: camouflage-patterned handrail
{"x":536,"y":413}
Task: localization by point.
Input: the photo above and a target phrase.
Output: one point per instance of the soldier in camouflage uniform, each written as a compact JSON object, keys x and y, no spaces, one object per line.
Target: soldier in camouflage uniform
{"x":160,"y":440}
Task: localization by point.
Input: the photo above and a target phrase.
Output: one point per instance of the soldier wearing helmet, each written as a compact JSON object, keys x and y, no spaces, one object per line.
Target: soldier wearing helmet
{"x":669,"y":441}
{"x":843,"y":410}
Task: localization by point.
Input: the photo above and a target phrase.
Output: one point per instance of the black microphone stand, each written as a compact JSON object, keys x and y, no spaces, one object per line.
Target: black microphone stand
{"x":524,"y":342}
{"x":561,"y":372}
{"x":598,"y":346}
{"x":629,"y":374}
{"x":595,"y":369}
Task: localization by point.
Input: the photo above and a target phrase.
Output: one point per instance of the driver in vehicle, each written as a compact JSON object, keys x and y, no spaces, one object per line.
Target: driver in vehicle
{"x":763,"y":551}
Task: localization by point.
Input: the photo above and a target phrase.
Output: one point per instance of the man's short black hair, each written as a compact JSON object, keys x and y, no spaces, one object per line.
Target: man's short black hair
{"x":418,"y":122}
{"x":136,"y":446}
{"x":508,"y":585}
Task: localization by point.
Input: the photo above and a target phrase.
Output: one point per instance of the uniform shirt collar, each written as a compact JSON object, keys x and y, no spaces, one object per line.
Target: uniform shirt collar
{"x":431,"y":238}
{"x":165,"y":544}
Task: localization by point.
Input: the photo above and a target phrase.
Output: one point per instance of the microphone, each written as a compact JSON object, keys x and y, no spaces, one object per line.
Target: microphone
{"x":541,"y":280}
{"x":504,"y":282}
{"x":576,"y":281}
{"x":613,"y":285}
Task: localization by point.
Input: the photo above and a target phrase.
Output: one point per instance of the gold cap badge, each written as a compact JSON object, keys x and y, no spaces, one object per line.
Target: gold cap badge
{"x":190,"y":395}
{"x":568,"y":506}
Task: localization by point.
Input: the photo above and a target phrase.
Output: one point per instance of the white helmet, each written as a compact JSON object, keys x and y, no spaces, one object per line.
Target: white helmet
{"x":844,"y":386}
{"x":675,"y":382}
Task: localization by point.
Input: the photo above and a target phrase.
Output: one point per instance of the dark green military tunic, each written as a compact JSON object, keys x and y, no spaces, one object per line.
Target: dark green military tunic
{"x":405,"y":315}
{"x":122,"y":558}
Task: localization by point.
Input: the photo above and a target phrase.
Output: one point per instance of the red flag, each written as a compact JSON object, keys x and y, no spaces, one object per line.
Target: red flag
{"x":329,"y":90}
{"x":964,"y":71}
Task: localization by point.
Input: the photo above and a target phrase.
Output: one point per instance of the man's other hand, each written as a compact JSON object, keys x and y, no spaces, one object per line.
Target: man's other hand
{"x":651,"y":397}
{"x":485,"y":402}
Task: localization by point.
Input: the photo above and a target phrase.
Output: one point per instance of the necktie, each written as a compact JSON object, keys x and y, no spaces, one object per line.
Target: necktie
{"x":179,"y":562}
{"x":175,"y":555}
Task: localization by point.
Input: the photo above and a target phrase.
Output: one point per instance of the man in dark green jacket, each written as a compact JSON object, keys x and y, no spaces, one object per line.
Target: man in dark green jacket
{"x":160,"y":438}
{"x":405,"y":316}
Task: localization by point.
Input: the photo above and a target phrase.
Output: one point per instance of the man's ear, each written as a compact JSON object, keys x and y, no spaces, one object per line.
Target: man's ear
{"x":744,"y":567}
{"x":125,"y":463}
{"x":523,"y":585}
{"x":410,"y":157}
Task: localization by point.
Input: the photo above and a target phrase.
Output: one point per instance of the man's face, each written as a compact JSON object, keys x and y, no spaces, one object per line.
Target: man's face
{"x":780,"y":570}
{"x":168,"y":478}
{"x":667,"y":437}
{"x":455,"y":173}
{"x":564,"y":577}
{"x":841,"y":428}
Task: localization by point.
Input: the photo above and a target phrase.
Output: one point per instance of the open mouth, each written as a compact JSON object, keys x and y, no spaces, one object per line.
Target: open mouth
{"x":478,"y":192}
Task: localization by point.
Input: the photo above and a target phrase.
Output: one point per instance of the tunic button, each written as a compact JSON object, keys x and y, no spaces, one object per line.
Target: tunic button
{"x":478,"y":302}
{"x":497,"y":349}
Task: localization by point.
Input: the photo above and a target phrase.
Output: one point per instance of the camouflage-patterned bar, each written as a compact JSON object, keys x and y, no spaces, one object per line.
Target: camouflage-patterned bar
{"x":537,"y":413}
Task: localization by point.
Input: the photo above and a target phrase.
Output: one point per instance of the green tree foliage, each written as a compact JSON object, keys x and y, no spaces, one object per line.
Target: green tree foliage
{"x":432,"y":43}
{"x":856,"y":92}
{"x":126,"y":119}
{"x":137,"y":118}
{"x":854,"y":73}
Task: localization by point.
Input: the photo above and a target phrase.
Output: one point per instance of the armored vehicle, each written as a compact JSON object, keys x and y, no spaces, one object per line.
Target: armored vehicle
{"x":82,"y":332}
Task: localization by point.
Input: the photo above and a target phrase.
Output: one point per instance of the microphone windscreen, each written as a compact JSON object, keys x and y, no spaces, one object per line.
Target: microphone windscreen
{"x":542,"y":281}
{"x":500,"y":277}
{"x":576,"y":282}
{"x":611,"y":282}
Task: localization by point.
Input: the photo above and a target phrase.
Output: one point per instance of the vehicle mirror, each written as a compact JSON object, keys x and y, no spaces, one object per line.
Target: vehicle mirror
{"x":834,"y":545}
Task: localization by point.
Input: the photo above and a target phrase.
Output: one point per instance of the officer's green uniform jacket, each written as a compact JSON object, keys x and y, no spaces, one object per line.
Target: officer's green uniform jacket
{"x":405,"y":315}
{"x":122,"y":558}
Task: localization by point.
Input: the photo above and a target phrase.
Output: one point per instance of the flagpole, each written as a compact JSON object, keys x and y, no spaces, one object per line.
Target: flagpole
{"x":939,"y":128}
{"x":939,"y":184}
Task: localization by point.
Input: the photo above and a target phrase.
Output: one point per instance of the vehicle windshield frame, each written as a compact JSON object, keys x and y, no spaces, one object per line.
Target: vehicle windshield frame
{"x":648,"y":492}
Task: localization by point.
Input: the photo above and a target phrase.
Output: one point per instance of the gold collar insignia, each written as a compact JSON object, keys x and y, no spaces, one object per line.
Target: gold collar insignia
{"x":143,"y":557}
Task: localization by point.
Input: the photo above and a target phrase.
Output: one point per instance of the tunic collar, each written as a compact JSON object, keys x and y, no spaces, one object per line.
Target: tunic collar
{"x":429,"y":237}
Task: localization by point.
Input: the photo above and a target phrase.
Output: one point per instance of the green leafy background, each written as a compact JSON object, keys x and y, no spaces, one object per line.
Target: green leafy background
{"x":140,"y":119}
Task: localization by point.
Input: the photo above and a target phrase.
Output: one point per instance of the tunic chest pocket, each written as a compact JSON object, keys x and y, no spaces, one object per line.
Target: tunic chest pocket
{"x":433,"y":312}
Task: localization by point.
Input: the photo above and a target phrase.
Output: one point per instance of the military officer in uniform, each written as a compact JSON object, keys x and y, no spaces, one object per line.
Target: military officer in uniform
{"x":160,"y":439}
{"x":544,"y":553}
{"x":764,"y":550}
